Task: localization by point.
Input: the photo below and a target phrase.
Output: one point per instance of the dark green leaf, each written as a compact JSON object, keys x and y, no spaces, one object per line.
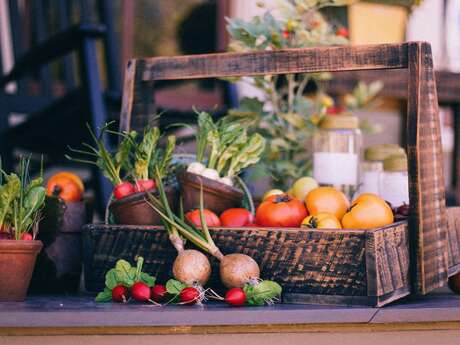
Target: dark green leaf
{"x":104,"y":296}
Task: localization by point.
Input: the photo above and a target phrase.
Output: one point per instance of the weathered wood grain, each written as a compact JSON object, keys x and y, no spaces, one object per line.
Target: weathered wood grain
{"x":453,"y":239}
{"x":308,"y":262}
{"x":427,"y":223}
{"x":339,"y":58}
{"x":387,"y":260}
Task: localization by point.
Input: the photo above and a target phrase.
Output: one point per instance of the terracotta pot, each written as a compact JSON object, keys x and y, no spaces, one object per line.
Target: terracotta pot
{"x":17,"y":262}
{"x":134,"y":209}
{"x":217,"y":196}
{"x":59,"y":265}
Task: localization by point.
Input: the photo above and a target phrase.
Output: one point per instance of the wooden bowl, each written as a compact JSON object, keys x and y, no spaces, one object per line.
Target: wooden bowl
{"x":134,"y":209}
{"x":217,"y":196}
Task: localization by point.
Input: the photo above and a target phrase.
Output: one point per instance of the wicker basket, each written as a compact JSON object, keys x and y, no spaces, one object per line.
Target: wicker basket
{"x":322,"y":266}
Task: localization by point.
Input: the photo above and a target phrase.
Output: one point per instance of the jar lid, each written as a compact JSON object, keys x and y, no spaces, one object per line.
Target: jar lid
{"x":396,"y":162}
{"x":339,"y":122}
{"x":382,"y":151}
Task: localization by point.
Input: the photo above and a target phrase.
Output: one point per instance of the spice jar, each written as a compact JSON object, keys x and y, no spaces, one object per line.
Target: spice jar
{"x":395,"y":181}
{"x":372,"y":167}
{"x":336,"y":151}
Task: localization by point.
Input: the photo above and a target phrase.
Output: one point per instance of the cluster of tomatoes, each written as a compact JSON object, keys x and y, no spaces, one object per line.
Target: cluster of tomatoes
{"x":322,"y":208}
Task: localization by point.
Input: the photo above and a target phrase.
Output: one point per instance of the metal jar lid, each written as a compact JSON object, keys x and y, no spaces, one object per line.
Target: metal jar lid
{"x":382,"y":151}
{"x":339,"y":122}
{"x":395,"y":163}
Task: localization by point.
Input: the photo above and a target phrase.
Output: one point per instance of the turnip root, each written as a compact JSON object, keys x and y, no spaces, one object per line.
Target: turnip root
{"x":238,"y":269}
{"x":192,"y":267}
{"x":196,"y":168}
{"x":226,"y":180}
{"x":210,"y":173}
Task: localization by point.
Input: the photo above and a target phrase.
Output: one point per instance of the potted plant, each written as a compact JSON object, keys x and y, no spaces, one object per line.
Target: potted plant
{"x":223,"y":149}
{"x":130,"y":169}
{"x":21,"y":201}
{"x":289,"y":108}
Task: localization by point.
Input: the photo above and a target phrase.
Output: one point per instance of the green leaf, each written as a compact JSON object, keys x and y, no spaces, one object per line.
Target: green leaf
{"x":34,"y":200}
{"x":174,"y":287}
{"x":104,"y":296}
{"x":262,"y":292}
{"x":111,"y":278}
{"x":147,"y":279}
{"x":145,"y":151}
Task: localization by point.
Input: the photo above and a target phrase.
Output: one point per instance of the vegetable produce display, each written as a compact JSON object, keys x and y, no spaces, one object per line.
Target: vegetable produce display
{"x":224,"y":148}
{"x":21,"y":201}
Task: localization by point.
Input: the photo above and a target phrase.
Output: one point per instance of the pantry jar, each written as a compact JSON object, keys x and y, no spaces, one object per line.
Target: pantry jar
{"x":395,"y":181}
{"x":372,"y":167}
{"x":336,"y":153}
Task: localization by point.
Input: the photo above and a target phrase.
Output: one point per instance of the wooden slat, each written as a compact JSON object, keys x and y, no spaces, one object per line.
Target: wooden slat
{"x":343,"y":58}
{"x":427,"y":224}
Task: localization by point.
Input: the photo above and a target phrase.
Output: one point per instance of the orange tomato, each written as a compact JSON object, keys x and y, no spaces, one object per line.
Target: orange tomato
{"x":322,"y":220}
{"x":368,"y":211}
{"x":72,"y":176}
{"x":327,"y":199}
{"x":210,"y":218}
{"x":65,"y":188}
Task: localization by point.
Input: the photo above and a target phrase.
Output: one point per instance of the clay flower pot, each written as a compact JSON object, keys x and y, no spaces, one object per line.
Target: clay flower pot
{"x":17,"y":262}
{"x":134,"y":209}
{"x":217,"y":196}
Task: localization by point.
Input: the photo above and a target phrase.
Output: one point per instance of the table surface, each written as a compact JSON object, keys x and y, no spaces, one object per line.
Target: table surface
{"x":82,"y":311}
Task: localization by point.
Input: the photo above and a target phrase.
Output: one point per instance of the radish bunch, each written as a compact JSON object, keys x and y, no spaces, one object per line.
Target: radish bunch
{"x":124,"y":282}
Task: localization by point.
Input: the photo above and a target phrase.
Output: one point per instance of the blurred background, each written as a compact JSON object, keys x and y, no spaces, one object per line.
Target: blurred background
{"x":62,"y":64}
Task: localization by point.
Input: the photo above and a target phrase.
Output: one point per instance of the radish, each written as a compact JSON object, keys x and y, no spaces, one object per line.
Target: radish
{"x":189,"y":295}
{"x":119,"y":294}
{"x":123,"y":189}
{"x":26,"y":237}
{"x":144,"y":185}
{"x":191,"y":266}
{"x":235,"y":297}
{"x":158,"y":293}
{"x":140,"y":292}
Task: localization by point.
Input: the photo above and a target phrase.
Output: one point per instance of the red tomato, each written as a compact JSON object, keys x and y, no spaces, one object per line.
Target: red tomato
{"x":236,"y":217}
{"x":210,"y":218}
{"x":123,"y":189}
{"x":145,"y":185}
{"x":281,"y":211}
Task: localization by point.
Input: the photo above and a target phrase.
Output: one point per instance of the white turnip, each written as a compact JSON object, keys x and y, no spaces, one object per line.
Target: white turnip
{"x":192,"y":267}
{"x":236,"y":270}
{"x":226,"y":180}
{"x":196,"y":168}
{"x":210,"y":174}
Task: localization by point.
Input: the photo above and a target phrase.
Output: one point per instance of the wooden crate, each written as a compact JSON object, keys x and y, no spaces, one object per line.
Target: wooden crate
{"x":380,"y":273}
{"x":313,"y":266}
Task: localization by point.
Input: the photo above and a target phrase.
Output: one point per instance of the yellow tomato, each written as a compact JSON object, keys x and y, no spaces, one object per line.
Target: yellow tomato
{"x":322,"y":221}
{"x":368,"y":211}
{"x":302,"y":187}
{"x":327,"y":199}
{"x":272,"y":192}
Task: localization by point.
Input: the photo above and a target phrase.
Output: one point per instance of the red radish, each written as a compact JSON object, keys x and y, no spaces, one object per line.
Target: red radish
{"x":236,"y":217}
{"x":119,"y":294}
{"x":158,"y":293}
{"x":145,"y":185}
{"x":123,"y":189}
{"x":26,"y":237}
{"x":286,"y":34}
{"x":403,"y":210}
{"x":5,"y":235}
{"x":140,"y":292}
{"x":189,"y":295}
{"x":235,"y":297}
{"x":210,"y":217}
{"x":342,"y":31}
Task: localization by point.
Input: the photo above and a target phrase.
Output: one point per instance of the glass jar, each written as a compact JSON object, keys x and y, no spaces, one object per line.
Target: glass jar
{"x":372,"y":167}
{"x":395,"y":181}
{"x":336,"y":153}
